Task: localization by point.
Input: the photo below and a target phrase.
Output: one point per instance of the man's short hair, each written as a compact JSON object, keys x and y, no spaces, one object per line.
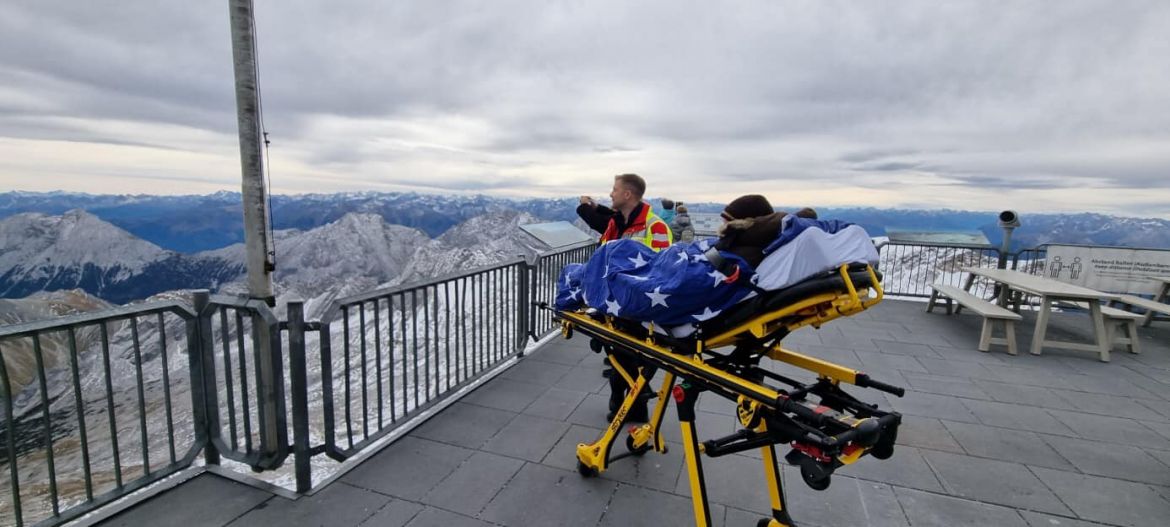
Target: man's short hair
{"x":634,"y":182}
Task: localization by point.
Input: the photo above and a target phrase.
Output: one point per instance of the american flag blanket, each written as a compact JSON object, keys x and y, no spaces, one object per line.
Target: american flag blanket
{"x":676,"y":286}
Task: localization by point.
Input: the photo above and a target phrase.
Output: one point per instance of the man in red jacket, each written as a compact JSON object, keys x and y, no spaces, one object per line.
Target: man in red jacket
{"x":630,"y":218}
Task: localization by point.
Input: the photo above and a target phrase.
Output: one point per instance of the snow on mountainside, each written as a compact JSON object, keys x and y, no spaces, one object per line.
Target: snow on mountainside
{"x":478,"y":242}
{"x":38,"y":243}
{"x":78,"y":250}
{"x":353,"y":254}
{"x":18,"y":353}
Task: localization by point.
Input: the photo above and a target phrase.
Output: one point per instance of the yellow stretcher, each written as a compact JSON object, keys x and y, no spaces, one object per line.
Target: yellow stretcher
{"x":825,"y":426}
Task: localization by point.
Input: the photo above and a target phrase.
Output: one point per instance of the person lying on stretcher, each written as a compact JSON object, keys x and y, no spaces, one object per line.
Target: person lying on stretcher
{"x":758,"y":250}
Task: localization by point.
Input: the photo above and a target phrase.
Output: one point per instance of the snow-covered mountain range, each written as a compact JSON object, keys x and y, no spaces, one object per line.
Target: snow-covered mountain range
{"x":357,"y":252}
{"x":196,"y":223}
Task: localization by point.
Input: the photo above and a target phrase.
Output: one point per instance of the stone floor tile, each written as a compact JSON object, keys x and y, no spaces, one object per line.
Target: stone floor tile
{"x":1017,"y":417}
{"x":336,"y":505}
{"x":470,"y":487}
{"x":1112,"y":405}
{"x":1111,"y":460}
{"x":408,"y":468}
{"x":563,"y":454}
{"x":651,"y":470}
{"x":877,"y":360}
{"x":924,"y":508}
{"x":906,"y":469}
{"x":924,"y":432}
{"x":1111,"y":429}
{"x":953,"y":368}
{"x":1107,"y":500}
{"x":527,"y":437}
{"x":847,"y":501}
{"x":735,"y":481}
{"x":591,"y":411}
{"x":1008,"y":445}
{"x":905,"y":348}
{"x":1022,"y":394}
{"x":396,"y":513}
{"x":505,"y":394}
{"x":944,"y":385}
{"x":536,"y":372}
{"x":556,"y":403}
{"x":1039,"y":519}
{"x":207,"y":499}
{"x":559,"y":351}
{"x":931,"y":405}
{"x":542,"y":495}
{"x":464,"y":424}
{"x":432,"y":517}
{"x":634,"y":506}
{"x":585,"y":378}
{"x":993,"y":481}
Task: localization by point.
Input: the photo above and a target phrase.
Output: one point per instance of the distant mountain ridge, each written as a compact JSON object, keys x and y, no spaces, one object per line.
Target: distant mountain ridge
{"x":356,"y":253}
{"x":189,"y":224}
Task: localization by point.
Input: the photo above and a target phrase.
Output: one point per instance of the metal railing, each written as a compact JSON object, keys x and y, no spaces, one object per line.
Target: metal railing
{"x":99,"y":405}
{"x":66,"y":437}
{"x":224,"y":376}
{"x":909,"y":269}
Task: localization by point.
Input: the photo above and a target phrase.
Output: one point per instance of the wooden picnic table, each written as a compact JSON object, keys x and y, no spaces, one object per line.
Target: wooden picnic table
{"x":1051,"y":292}
{"x":1164,"y":291}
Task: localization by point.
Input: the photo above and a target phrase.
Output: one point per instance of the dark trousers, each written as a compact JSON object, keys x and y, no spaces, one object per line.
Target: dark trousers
{"x":618,"y":388}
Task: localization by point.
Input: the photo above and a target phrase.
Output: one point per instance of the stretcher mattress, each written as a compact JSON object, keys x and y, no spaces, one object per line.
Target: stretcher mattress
{"x":679,"y":287}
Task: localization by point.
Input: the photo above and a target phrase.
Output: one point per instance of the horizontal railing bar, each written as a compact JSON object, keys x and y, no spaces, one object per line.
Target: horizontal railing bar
{"x":93,"y":317}
{"x":330,"y":313}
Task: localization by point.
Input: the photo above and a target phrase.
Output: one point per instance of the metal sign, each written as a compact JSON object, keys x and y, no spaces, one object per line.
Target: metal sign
{"x":705,"y":223}
{"x":556,"y":234}
{"x":1112,"y":269}
{"x":937,"y":237}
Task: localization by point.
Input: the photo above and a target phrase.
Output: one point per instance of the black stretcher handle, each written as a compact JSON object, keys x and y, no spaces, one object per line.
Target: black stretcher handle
{"x":864,"y":381}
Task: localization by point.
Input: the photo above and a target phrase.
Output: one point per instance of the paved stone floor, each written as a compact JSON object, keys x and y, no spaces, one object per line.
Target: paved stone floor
{"x":1059,"y":439}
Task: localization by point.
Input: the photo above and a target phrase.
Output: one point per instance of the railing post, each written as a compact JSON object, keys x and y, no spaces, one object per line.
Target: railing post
{"x":524,"y":326}
{"x":299,"y":384}
{"x":200,"y":353}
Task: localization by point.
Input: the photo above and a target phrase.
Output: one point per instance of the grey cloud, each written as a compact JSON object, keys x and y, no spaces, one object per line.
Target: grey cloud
{"x":946,"y":89}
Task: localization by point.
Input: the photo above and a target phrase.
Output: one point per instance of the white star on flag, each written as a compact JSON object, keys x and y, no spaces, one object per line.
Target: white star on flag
{"x":699,"y":258}
{"x":574,"y":292}
{"x":568,"y":282}
{"x":682,"y":257}
{"x":719,"y":277}
{"x":658,"y":297}
{"x":638,"y":278}
{"x":612,"y":307}
{"x":638,"y":261}
{"x":704,"y":245}
{"x":707,"y":314}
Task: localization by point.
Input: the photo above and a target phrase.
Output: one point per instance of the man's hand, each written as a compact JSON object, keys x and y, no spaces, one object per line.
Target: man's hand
{"x":586,"y":200}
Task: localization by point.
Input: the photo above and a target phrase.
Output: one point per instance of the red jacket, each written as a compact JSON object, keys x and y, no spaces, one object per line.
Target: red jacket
{"x":645,"y":227}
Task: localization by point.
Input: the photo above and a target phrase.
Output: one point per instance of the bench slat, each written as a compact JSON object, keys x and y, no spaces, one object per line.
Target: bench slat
{"x":1145,"y":303}
{"x":974,"y":303}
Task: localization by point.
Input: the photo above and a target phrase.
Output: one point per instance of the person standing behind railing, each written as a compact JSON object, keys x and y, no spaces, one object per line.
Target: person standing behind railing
{"x":630,"y":218}
{"x":682,"y":227}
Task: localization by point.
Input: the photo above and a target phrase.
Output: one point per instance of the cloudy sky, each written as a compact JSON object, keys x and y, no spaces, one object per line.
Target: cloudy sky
{"x":1039,"y":106}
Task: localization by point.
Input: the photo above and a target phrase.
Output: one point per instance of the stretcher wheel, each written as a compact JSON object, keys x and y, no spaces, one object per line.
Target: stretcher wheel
{"x":814,"y":476}
{"x":636,"y":451}
{"x":586,"y":471}
{"x":884,"y":449}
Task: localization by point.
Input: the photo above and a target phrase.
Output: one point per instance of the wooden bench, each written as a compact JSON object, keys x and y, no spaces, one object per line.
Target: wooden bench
{"x":988,"y":310}
{"x":1152,"y":307}
{"x":1116,"y":319}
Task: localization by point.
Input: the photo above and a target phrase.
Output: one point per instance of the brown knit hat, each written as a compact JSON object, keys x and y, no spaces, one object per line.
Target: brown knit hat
{"x":749,"y":206}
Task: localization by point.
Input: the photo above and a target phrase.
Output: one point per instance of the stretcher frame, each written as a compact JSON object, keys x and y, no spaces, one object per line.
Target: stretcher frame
{"x":838,"y":430}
